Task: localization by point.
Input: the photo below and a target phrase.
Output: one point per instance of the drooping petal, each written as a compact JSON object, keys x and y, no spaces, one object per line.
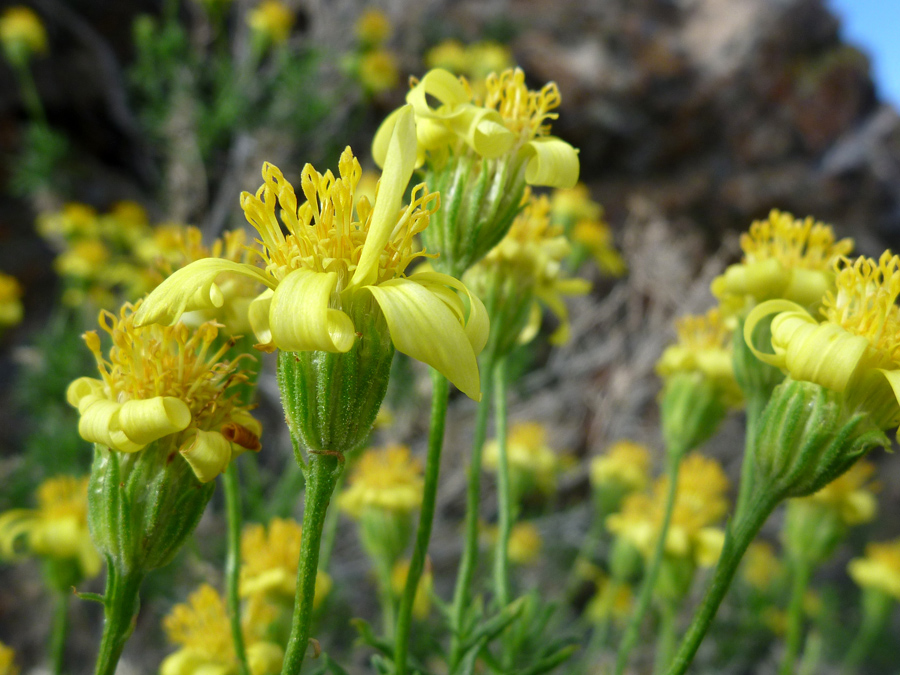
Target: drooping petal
{"x":552,"y":162}
{"x":422,"y":326}
{"x":477,"y":324}
{"x":825,"y":353}
{"x":147,"y":420}
{"x":208,"y":453}
{"x":258,"y":315}
{"x":191,"y":288}
{"x":83,"y":391}
{"x":299,"y":316}
{"x":399,"y":164}
{"x":483,"y":130}
{"x":99,"y":423}
{"x":759,"y":313}
{"x":441,"y":85}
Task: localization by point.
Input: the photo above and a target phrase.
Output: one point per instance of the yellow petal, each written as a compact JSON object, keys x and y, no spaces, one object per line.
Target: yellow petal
{"x":147,"y":420}
{"x":483,"y":130}
{"x":258,"y":315}
{"x":553,"y":163}
{"x":192,"y":288}
{"x":185,"y":662}
{"x":99,"y":423}
{"x":399,"y":164}
{"x":208,"y":453}
{"x":710,"y":542}
{"x":81,"y":389}
{"x":533,"y":326}
{"x":477,"y":325}
{"x":264,"y":658}
{"x":300,"y":318}
{"x":440,"y":84}
{"x":423,"y":327}
{"x":759,"y":313}
{"x":825,"y":354}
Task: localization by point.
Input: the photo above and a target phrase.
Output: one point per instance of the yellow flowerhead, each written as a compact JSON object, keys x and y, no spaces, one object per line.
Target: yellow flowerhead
{"x":57,"y":529}
{"x":22,"y":34}
{"x":571,"y":205}
{"x":448,"y":55}
{"x":378,"y":71}
{"x":855,"y":350}
{"x":512,"y":122}
{"x":340,"y":260}
{"x":525,"y":543}
{"x":531,"y":460}
{"x":164,"y":382}
{"x":879,"y":569}
{"x":851,"y":496}
{"x":125,"y":224}
{"x":484,"y":58}
{"x":760,"y":567}
{"x":10,"y":301}
{"x":272,"y":21}
{"x":619,"y":605}
{"x":388,"y":478}
{"x":201,"y":629}
{"x":626,"y":465}
{"x":784,"y":258}
{"x":703,"y":346}
{"x":269,"y":557}
{"x":528,"y":263}
{"x":7,"y":661}
{"x":373,"y":28}
{"x":422,"y":599}
{"x":700,"y":502}
{"x":74,"y":221}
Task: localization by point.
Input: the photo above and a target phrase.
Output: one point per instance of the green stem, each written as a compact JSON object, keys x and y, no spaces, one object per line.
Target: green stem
{"x":801,"y":570}
{"x":322,"y":474}
{"x":666,"y":641}
{"x":439,"y":398}
{"x":121,"y":602}
{"x":877,"y":608}
{"x":30,"y":95}
{"x":384,"y":569}
{"x":469,"y":560}
{"x":756,"y":403}
{"x":645,"y":595}
{"x":504,"y":490}
{"x":736,"y":544}
{"x":233,"y":562}
{"x":60,"y":631}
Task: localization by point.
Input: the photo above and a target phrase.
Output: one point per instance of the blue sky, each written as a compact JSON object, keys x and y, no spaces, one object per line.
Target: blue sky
{"x":873,"y":26}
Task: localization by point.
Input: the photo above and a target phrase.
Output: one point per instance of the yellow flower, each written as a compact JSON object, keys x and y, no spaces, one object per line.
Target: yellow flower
{"x":626,"y":464}
{"x":700,"y":502}
{"x":783,"y":258}
{"x":269,"y":558}
{"x":58,"y":528}
{"x":373,"y":28}
{"x":512,"y":122}
{"x":528,"y":260}
{"x":850,"y":495}
{"x":164,"y":382}
{"x":74,"y":221}
{"x":330,"y":268}
{"x":448,"y":55}
{"x":704,"y":346}
{"x":125,"y":224}
{"x":389,"y":479}
{"x":570,"y":205}
{"x":22,"y":34}
{"x":378,"y":70}
{"x":524,"y":544}
{"x":7,"y":661}
{"x":856,"y":349}
{"x":879,"y":569}
{"x":202,"y":630}
{"x":760,"y":567}
{"x":10,"y":301}
{"x":484,"y":58}
{"x":422,"y":600}
{"x":85,"y":260}
{"x":596,"y":237}
{"x":602,"y":606}
{"x":530,"y":459}
{"x":272,"y":21}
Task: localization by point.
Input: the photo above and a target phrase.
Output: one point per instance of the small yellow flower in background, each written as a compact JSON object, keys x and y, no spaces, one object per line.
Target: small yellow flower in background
{"x":22,"y":34}
{"x":422,"y":600}
{"x":378,"y":71}
{"x":760,"y":567}
{"x":784,"y":258}
{"x":7,"y":661}
{"x":271,"y":21}
{"x":85,"y":260}
{"x":269,"y":558}
{"x":164,"y":382}
{"x":618,"y":606}
{"x":528,"y":261}
{"x":475,"y":61}
{"x":700,"y":502}
{"x":125,"y":224}
{"x":10,"y":301}
{"x":571,"y":205}
{"x":625,"y":466}
{"x":512,"y":122}
{"x":388,"y":478}
{"x":703,"y":346}
{"x":596,"y":237}
{"x":330,"y":270}
{"x":448,"y":55}
{"x":532,"y":463}
{"x":879,"y":569}
{"x":74,"y":221}
{"x":851,"y":495}
{"x":58,"y":528}
{"x":201,"y":629}
{"x":525,"y":543}
{"x":855,"y":350}
{"x":373,"y":28}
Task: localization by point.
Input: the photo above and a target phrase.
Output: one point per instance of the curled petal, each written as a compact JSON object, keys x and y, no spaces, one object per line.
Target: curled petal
{"x":99,"y":423}
{"x":483,"y":130}
{"x":425,"y":328}
{"x":258,"y":314}
{"x":825,"y":353}
{"x":208,"y":453}
{"x":191,"y":288}
{"x":759,"y":313}
{"x":441,"y":85}
{"x":552,"y":162}
{"x":476,"y":324}
{"x":147,"y":420}
{"x":83,"y":392}
{"x":300,"y":318}
{"x":762,"y":279}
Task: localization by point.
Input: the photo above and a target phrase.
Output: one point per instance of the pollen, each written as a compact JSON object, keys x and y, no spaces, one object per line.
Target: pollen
{"x":804,"y":244}
{"x":524,"y":112}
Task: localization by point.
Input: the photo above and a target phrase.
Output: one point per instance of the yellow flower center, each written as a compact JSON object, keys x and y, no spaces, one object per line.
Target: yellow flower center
{"x":795,"y":243}
{"x":703,"y":332}
{"x":327,"y":232}
{"x":524,"y":112}
{"x":389,"y":478}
